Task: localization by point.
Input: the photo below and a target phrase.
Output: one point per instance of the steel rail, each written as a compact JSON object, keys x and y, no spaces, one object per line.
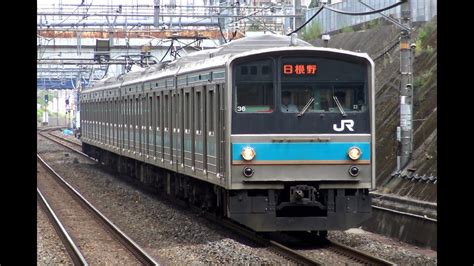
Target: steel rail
{"x":131,"y":246}
{"x":71,"y":247}
{"x":66,"y":140}
{"x":357,"y":255}
{"x":405,"y":213}
{"x":66,"y":146}
{"x":277,"y":247}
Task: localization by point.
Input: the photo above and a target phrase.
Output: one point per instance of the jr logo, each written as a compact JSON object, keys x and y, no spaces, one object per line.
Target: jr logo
{"x":344,"y":123}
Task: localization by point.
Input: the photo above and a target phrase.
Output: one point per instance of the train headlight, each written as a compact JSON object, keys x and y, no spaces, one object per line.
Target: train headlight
{"x":354,"y":153}
{"x":248,"y":153}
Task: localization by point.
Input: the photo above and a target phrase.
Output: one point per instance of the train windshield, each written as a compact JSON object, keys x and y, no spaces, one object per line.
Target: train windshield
{"x":332,"y":86}
{"x":300,"y":93}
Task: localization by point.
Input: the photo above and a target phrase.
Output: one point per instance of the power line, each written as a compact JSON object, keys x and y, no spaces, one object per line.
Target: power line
{"x":345,"y":13}
{"x":367,"y":12}
{"x":387,"y":50}
{"x":304,"y":24}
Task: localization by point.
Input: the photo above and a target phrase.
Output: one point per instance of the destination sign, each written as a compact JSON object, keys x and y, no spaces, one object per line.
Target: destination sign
{"x":299,"y":69}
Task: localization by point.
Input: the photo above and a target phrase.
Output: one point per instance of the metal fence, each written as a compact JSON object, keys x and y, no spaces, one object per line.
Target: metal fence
{"x":421,"y":10}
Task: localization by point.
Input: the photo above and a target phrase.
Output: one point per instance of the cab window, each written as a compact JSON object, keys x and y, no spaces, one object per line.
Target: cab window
{"x":254,"y":87}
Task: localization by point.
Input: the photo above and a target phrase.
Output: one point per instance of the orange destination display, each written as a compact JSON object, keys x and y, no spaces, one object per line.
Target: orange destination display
{"x":299,"y":69}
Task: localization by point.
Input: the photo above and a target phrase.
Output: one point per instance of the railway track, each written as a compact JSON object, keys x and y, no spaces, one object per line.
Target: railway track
{"x":346,"y":253}
{"x":71,"y":247}
{"x":90,"y":238}
{"x":356,"y":255}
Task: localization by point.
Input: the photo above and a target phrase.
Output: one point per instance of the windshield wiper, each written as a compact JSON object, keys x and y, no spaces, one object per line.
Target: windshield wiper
{"x":306,"y":107}
{"x":339,"y":105}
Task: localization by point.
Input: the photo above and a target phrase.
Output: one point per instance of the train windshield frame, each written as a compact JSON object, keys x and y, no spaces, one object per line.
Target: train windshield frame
{"x":332,"y":85}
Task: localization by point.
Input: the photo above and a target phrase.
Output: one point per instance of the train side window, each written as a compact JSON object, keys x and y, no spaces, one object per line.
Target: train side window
{"x":158,"y":112}
{"x":198,"y":112}
{"x":187,"y":107}
{"x":211,"y":112}
{"x":166,"y":113}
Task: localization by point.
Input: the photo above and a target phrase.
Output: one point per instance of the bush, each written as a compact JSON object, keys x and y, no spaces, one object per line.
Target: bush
{"x":421,"y":79}
{"x":312,"y":32}
{"x":421,"y":40}
{"x":348,"y":29}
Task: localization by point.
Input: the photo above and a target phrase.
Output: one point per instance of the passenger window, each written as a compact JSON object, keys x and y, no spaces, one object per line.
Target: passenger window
{"x":211,"y":111}
{"x":187,"y":107}
{"x":198,"y":112}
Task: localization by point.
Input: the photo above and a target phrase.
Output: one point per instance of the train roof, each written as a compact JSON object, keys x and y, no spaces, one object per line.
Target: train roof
{"x":209,"y":58}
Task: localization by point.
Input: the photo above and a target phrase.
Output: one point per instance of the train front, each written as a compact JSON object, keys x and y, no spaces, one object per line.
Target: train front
{"x":302,"y":139}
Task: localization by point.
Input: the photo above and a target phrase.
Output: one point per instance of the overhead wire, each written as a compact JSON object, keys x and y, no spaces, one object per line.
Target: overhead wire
{"x":311,"y":18}
{"x":346,"y":13}
{"x":367,"y":12}
{"x":387,"y":50}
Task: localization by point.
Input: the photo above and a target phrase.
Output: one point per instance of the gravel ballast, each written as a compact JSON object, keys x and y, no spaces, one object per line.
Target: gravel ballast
{"x":384,"y":247}
{"x":50,"y":249}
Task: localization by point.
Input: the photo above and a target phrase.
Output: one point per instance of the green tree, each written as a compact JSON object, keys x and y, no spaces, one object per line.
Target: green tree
{"x":314,"y":3}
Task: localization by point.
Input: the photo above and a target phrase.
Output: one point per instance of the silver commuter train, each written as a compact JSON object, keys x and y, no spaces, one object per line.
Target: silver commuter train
{"x":277,"y":137}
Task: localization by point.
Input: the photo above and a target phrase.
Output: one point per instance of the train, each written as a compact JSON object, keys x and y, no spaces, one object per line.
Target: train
{"x":268,"y":131}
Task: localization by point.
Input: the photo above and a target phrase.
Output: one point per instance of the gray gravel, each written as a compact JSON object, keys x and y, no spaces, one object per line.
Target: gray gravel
{"x":168,"y":233}
{"x":50,"y":249}
{"x":385,"y":248}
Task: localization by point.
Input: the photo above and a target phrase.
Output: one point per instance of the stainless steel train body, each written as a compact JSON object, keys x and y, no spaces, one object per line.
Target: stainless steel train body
{"x":218,"y":116}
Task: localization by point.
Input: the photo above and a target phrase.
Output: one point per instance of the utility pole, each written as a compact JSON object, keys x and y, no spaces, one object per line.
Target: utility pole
{"x":405,"y":130}
{"x":57,"y":110}
{"x":156,"y":18}
{"x":298,"y":20}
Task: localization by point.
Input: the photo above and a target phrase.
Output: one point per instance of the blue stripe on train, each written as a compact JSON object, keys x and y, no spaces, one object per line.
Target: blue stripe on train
{"x":301,"y":151}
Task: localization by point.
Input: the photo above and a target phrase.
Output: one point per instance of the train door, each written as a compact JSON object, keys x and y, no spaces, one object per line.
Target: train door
{"x":109,"y":120}
{"x":188,"y":139}
{"x":143,"y":124}
{"x":212,"y":110}
{"x":167,"y":128}
{"x":97,"y":119}
{"x":159,"y":126}
{"x":140,"y":123}
{"x":150,"y":141}
{"x":136,"y":137}
{"x":119,"y":120}
{"x":116,"y":119}
{"x":220,"y":130}
{"x":94,"y":119}
{"x":126,"y":123}
{"x":176,"y":121}
{"x":200,"y":131}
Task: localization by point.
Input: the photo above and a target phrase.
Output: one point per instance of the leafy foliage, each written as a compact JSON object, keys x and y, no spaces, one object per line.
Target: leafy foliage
{"x":312,"y":32}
